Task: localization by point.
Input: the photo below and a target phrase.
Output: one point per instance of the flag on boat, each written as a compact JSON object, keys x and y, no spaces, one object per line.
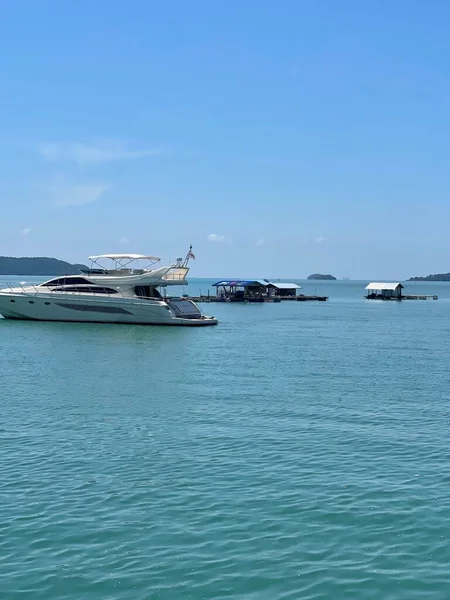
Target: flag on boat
{"x":191,"y":254}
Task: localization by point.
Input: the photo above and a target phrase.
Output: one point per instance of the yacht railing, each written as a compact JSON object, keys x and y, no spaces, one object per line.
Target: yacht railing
{"x":11,"y":287}
{"x":36,"y":290}
{"x":176,"y":274}
{"x":33,"y":290}
{"x":174,"y":277}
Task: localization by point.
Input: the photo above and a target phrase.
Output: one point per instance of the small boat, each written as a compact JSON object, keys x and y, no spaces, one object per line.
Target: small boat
{"x":124,"y":292}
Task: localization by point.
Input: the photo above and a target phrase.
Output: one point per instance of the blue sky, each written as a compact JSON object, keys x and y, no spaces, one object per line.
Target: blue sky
{"x":279,"y":138}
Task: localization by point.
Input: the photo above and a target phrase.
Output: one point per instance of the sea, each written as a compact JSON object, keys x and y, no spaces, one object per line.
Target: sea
{"x":297,"y":451}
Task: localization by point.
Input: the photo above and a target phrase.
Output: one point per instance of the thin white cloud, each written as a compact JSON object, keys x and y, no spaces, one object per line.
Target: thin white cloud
{"x":221,"y":239}
{"x":63,"y":193}
{"x":260,"y":242}
{"x":321,"y":239}
{"x":92,"y":154}
{"x":26,"y":231}
{"x":124,"y":240}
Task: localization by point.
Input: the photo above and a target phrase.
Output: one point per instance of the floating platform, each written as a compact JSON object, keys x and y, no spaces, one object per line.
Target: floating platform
{"x":299,"y":298}
{"x":400,"y":298}
{"x":421,"y":297}
{"x":302,"y":298}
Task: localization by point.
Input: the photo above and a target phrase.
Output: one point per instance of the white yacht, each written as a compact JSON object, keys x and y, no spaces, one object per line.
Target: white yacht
{"x":125,"y":293}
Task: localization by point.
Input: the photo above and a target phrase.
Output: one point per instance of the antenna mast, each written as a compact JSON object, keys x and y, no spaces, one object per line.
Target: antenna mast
{"x":189,"y":255}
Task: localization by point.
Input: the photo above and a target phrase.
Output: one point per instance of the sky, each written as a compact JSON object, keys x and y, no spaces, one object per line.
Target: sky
{"x":278,"y":138}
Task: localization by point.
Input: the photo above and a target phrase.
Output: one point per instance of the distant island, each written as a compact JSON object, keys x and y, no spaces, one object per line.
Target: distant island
{"x":37,"y":265}
{"x":321,"y":277}
{"x":436,"y":277}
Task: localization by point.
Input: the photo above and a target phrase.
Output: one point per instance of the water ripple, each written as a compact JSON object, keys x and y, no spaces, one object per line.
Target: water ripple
{"x":274,"y":458}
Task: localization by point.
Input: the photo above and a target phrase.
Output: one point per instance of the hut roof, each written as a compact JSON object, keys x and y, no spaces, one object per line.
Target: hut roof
{"x":383,"y":286}
{"x":240,"y":282}
{"x":285,"y":286}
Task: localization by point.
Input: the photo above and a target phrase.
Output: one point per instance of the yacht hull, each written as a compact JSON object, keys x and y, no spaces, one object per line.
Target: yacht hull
{"x":77,"y":308}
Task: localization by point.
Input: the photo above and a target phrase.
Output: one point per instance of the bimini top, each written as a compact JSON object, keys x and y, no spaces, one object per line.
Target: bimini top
{"x":383,"y":286}
{"x":124,"y":257}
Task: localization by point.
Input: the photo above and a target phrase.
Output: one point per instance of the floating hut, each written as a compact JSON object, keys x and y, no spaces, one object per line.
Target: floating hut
{"x":287,"y":291}
{"x":384,"y":291}
{"x":392,"y":291}
{"x":230,"y":290}
{"x":256,"y":290}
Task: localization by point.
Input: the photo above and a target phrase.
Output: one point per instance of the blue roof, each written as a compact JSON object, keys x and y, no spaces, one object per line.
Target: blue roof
{"x":240,"y":282}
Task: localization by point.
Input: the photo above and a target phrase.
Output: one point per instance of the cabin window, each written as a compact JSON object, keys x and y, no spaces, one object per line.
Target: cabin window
{"x":92,"y":289}
{"x":146,"y":291}
{"x":66,"y":281}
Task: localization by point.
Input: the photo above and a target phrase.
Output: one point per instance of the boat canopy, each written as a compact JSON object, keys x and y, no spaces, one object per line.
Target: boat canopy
{"x":124,"y":257}
{"x":122,"y":261}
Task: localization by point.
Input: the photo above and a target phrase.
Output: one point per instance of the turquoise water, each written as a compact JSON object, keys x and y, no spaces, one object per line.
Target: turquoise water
{"x":296,"y":451}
